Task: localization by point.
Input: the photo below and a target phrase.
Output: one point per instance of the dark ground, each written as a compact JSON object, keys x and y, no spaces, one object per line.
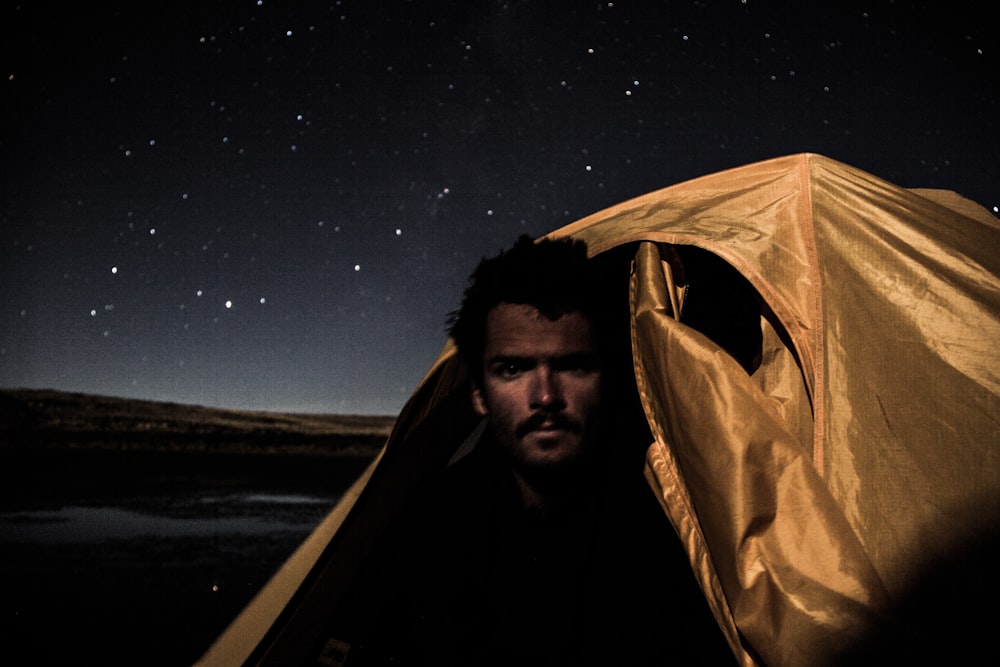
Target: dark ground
{"x":148,"y":600}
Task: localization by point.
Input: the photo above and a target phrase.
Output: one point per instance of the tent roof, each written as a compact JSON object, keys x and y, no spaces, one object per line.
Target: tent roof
{"x":882,"y":373}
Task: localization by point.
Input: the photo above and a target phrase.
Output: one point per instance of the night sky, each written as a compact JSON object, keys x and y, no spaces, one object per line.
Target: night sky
{"x":274,"y":205}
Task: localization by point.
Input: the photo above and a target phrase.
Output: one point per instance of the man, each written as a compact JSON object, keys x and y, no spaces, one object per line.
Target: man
{"x":543,"y":545}
{"x":532,"y":334}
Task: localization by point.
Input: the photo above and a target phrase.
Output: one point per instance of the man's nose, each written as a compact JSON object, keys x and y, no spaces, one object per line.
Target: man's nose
{"x":546,"y":392}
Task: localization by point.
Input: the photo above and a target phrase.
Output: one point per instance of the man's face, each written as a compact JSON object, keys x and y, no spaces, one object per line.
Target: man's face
{"x":541,"y":385}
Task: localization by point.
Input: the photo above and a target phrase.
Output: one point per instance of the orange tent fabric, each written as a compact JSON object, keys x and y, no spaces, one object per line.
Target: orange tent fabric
{"x":812,"y":488}
{"x":884,"y":319}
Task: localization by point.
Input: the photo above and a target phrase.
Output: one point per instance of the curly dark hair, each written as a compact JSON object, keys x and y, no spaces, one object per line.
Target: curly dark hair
{"x":553,"y":275}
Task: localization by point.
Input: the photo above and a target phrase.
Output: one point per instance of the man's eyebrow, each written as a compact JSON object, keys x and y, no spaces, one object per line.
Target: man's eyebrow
{"x":508,"y":358}
{"x":577,"y":354}
{"x":581,"y":357}
{"x":588,"y":354}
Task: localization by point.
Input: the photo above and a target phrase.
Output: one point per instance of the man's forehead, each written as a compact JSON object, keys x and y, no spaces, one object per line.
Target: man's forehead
{"x":527,"y":311}
{"x":521,"y":330}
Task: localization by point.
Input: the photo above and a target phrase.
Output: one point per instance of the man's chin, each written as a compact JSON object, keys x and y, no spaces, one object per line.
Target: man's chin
{"x":545,"y":449}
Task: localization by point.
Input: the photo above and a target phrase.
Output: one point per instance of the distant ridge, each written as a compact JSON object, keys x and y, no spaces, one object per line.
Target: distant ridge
{"x":43,"y":419}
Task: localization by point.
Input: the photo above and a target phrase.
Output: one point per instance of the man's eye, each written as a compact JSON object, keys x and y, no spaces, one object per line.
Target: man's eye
{"x":577,"y":364}
{"x":509,"y":370}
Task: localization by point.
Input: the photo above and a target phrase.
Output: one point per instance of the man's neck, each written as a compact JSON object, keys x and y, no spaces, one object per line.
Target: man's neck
{"x":531,"y":496}
{"x":548,"y":493}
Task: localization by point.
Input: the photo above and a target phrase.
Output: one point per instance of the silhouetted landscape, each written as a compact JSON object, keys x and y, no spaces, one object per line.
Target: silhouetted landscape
{"x":44,"y":419}
{"x":132,"y":532}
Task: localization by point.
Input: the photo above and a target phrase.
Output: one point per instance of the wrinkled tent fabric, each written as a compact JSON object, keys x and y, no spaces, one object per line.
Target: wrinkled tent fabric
{"x":809,"y":494}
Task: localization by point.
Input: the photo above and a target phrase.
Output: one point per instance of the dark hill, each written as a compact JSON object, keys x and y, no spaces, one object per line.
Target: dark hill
{"x":45,"y":419}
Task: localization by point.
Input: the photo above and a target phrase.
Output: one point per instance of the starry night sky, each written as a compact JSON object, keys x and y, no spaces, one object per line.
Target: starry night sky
{"x":274,"y":205}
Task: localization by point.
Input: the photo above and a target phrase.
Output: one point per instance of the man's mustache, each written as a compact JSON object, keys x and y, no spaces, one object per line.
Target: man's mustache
{"x":559,"y":421}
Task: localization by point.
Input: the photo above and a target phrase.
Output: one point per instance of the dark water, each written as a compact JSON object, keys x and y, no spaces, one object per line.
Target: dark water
{"x":142,"y":559}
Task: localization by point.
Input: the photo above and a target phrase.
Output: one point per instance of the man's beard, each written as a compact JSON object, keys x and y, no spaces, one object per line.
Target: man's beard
{"x":552,"y":475}
{"x":558,"y":421}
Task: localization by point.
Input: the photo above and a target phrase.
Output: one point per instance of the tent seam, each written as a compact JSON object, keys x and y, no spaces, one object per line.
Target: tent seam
{"x":819,"y":364}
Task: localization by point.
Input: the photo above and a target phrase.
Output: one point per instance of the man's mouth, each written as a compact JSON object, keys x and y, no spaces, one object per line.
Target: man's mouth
{"x":543,"y":423}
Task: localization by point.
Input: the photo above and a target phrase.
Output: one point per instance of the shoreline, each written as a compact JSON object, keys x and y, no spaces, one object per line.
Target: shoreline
{"x":46,"y":420}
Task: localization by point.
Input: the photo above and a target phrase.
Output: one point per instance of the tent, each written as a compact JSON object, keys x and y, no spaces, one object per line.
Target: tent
{"x":820,"y":476}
